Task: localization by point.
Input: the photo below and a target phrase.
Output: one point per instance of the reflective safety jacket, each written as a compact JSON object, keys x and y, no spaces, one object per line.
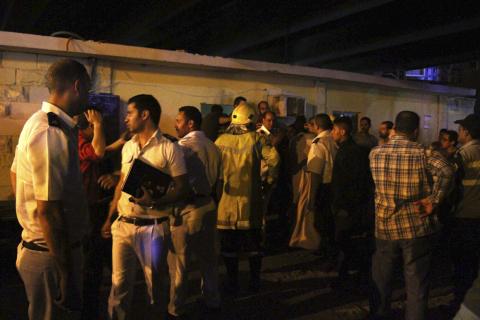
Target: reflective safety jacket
{"x":241,"y":204}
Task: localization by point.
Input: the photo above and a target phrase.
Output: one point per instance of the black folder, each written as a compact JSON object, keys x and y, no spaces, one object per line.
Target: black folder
{"x":141,"y":175}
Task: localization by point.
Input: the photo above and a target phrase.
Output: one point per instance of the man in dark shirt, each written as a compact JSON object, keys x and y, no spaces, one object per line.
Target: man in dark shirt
{"x":212,"y":122}
{"x":91,"y":151}
{"x":363,"y":138}
{"x":352,"y":188}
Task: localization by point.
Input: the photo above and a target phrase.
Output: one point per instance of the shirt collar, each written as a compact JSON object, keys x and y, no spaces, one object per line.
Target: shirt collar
{"x":156,"y":136}
{"x":48,"y":107}
{"x":323,"y":134}
{"x":399,"y":137}
{"x":192,"y":134}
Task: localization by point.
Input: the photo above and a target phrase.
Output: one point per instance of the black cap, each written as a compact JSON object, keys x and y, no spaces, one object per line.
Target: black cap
{"x":471,"y":123}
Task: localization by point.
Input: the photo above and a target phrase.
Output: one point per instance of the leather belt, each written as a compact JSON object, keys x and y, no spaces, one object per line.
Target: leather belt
{"x":35,"y":247}
{"x":142,"y":221}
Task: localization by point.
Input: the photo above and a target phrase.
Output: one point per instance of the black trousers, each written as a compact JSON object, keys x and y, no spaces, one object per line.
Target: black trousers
{"x":324,"y":219}
{"x":417,"y":257}
{"x":465,"y":254}
{"x":97,"y":254}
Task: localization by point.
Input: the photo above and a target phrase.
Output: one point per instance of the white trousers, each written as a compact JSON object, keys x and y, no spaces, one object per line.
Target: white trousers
{"x":194,"y":234}
{"x":147,"y":245}
{"x":40,"y":277}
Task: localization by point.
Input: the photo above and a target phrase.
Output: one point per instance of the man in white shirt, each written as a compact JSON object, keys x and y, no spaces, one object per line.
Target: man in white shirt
{"x":320,"y":165}
{"x":50,"y":202}
{"x":193,"y":226}
{"x":141,"y":232}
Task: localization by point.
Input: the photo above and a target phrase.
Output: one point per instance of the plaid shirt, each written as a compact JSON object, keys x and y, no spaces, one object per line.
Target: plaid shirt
{"x":405,"y":172}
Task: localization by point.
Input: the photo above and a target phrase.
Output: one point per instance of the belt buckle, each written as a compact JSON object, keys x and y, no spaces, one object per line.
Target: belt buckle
{"x":135,"y":221}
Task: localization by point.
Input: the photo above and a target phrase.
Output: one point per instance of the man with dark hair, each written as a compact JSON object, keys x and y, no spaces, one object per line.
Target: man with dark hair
{"x":384,"y":132}
{"x":449,"y":144}
{"x":141,"y":232}
{"x":192,"y":116}
{"x":51,"y":204}
{"x":263,"y":107}
{"x":146,"y":102}
{"x":465,"y":240}
{"x":267,"y":122}
{"x":91,"y":150}
{"x":320,"y":163}
{"x":239,"y":100}
{"x":441,"y":133}
{"x":352,"y":189}
{"x":405,"y":198}
{"x":437,"y":145}
{"x":363,"y":138}
{"x":315,"y":191}
{"x":213,"y":121}
{"x":193,"y":226}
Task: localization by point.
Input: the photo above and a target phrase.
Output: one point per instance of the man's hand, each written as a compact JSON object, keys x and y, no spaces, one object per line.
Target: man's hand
{"x":68,"y":299}
{"x":108,"y":181}
{"x":94,"y":117}
{"x":145,"y":200}
{"x":106,"y":231}
{"x":423,"y":207}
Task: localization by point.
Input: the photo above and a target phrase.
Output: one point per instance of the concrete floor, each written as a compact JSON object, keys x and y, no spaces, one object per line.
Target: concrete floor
{"x":295,"y":285}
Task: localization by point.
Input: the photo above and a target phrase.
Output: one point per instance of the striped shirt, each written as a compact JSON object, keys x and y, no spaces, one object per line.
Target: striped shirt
{"x":468,"y":159}
{"x":404,"y":172}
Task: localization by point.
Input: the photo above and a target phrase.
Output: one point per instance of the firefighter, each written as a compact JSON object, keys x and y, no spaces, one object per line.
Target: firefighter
{"x":240,"y":207}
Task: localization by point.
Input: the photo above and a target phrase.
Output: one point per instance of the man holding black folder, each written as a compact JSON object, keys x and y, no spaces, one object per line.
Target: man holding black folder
{"x":142,"y":230}
{"x":193,"y":226}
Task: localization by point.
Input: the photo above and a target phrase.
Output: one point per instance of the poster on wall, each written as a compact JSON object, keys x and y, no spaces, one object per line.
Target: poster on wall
{"x":427,"y":121}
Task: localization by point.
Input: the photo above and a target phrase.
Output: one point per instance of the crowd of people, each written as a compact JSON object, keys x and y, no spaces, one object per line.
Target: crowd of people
{"x":247,"y":181}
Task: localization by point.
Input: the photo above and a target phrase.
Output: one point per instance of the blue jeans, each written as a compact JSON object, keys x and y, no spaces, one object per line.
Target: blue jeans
{"x":417,"y":256}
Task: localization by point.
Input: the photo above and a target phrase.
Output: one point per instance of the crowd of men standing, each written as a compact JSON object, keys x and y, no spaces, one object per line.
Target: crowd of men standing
{"x":233,"y":176}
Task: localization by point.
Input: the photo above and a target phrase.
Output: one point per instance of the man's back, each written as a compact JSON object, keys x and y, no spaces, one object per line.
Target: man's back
{"x":211,"y":125}
{"x":202,"y":159}
{"x":241,"y":201}
{"x":43,"y":167}
{"x":352,"y":183}
{"x":321,"y":156}
{"x":402,"y":174}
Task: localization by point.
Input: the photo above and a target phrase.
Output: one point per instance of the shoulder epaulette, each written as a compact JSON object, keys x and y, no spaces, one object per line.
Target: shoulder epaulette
{"x":53,"y":119}
{"x":170,"y":137}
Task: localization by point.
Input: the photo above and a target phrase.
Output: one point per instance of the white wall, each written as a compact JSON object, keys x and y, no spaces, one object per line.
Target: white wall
{"x":22,"y":90}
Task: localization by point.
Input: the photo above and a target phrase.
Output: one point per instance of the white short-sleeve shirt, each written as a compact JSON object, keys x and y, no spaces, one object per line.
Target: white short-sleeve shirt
{"x":158,"y":152}
{"x":47,"y":168}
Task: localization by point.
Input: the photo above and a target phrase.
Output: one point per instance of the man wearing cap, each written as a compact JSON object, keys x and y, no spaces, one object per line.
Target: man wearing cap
{"x":240,"y":208}
{"x":466,"y":229}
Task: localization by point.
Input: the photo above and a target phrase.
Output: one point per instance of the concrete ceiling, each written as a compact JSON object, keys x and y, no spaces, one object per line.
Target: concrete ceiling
{"x":370,"y":36}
